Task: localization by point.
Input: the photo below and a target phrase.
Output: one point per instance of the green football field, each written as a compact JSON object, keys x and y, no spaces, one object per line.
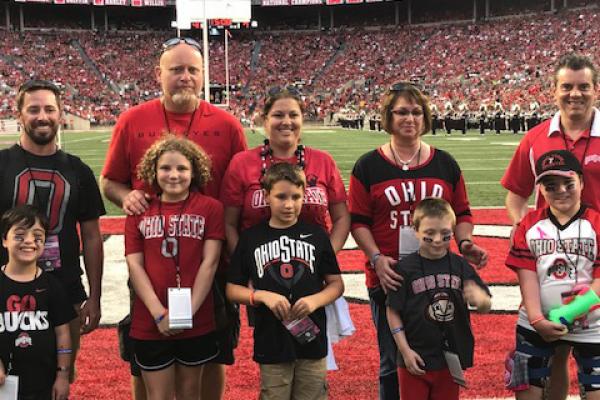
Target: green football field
{"x":482,"y":159}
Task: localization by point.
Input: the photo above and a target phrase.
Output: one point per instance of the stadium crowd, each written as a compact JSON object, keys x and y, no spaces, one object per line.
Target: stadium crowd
{"x":346,"y":68}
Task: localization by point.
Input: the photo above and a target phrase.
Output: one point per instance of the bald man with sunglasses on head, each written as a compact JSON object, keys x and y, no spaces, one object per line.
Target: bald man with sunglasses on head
{"x":179,"y":111}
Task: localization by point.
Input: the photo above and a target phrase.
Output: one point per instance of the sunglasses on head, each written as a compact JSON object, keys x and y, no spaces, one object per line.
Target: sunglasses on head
{"x":445,"y":238}
{"x":401,"y":86}
{"x":177,"y":40}
{"x":39,"y":84}
{"x":275,"y":90}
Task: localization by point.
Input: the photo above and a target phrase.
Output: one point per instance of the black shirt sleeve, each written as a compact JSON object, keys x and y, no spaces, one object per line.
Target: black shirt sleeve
{"x":91,"y":204}
{"x":469,"y":274}
{"x":238,"y":271}
{"x":396,"y":299}
{"x":328,"y":264}
{"x":60,"y":310}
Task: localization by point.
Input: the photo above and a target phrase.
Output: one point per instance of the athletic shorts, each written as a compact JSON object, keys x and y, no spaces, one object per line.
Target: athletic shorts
{"x":155,"y":355}
{"x":227,"y":340}
{"x":545,"y":350}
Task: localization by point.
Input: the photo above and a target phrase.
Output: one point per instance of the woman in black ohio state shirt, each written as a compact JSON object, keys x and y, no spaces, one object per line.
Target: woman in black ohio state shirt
{"x":385,"y":186}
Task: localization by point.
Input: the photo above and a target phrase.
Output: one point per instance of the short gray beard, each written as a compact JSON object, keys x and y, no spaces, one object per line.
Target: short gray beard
{"x":185,"y":99}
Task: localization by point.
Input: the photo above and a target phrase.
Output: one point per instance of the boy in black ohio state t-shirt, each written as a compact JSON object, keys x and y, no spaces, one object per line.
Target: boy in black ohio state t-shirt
{"x":428,"y":314}
{"x":294,"y":274}
{"x":35,"y":344}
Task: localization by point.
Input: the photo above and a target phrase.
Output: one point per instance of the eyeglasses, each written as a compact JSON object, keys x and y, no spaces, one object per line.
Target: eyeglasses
{"x":39,"y":84}
{"x":445,"y":238}
{"x":403,"y":112}
{"x":177,"y":40}
{"x":401,"y":86}
{"x":275,"y":90}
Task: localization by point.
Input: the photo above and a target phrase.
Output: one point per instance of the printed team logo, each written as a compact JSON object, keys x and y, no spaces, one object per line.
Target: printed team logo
{"x":23,"y":340}
{"x":287,"y":275}
{"x":554,"y":160}
{"x":43,"y":186}
{"x":442,"y":308}
{"x":313,"y":196}
{"x":592,"y":158}
{"x":311,"y":180}
{"x":560,"y":270}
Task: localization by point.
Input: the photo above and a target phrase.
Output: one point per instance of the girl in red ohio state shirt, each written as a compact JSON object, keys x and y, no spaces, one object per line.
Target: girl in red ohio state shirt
{"x":172,"y":252}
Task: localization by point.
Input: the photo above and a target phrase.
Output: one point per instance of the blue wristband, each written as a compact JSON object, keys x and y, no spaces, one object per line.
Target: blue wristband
{"x":397,"y":330}
{"x":159,"y":319}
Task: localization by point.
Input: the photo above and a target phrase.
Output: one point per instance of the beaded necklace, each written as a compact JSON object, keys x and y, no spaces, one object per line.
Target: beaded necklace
{"x":267,"y":151}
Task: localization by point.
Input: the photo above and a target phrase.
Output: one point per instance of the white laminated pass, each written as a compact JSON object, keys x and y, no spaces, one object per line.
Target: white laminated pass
{"x":10,"y":389}
{"x":180,"y":308}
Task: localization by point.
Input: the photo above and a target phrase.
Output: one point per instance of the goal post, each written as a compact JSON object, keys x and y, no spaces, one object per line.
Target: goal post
{"x":189,"y":11}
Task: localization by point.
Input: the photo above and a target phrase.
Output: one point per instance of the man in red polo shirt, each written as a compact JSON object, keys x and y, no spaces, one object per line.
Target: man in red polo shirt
{"x":180,"y":112}
{"x":576,"y":128}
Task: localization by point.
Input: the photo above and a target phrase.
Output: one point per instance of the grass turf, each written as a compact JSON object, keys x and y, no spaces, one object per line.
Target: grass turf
{"x":483,"y":159}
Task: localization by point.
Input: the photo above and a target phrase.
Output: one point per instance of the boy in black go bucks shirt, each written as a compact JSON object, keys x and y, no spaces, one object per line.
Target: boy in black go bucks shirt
{"x":35,"y":344}
{"x":428,"y":315}
{"x":293,"y":274}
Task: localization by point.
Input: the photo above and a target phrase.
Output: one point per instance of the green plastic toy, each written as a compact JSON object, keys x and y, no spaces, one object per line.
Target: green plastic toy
{"x":581,"y":304}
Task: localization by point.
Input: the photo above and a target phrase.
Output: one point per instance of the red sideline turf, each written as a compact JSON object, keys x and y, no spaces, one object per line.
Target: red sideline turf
{"x":102,"y":375}
{"x":496,"y":216}
{"x":353,"y":260}
{"x":494,"y":272}
{"x":490,"y":216}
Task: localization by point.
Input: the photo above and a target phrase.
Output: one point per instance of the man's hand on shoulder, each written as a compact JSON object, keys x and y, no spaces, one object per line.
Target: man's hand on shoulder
{"x":136,"y":202}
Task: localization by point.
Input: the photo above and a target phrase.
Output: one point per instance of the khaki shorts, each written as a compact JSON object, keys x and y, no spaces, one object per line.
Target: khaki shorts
{"x":299,"y":380}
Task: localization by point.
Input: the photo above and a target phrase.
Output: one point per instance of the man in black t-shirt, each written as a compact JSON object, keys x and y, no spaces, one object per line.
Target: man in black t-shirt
{"x":61,"y":186}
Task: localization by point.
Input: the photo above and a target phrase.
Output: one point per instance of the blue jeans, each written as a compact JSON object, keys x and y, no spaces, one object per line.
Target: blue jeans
{"x":389,"y":388}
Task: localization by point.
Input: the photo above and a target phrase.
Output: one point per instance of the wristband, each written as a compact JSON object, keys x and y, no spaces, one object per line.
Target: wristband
{"x":63,"y":369}
{"x":373,"y":259}
{"x":159,"y":319}
{"x":252,"y":303}
{"x":460,"y":244}
{"x":536,"y":320}
{"x":64,"y":351}
{"x":397,"y":330}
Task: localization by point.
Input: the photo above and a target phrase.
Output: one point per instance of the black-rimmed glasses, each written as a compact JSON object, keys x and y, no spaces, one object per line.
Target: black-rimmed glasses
{"x":416,"y":113}
{"x":177,"y":40}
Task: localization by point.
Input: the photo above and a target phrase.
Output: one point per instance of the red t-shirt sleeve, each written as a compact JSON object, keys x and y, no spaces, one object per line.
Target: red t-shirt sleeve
{"x":215,"y":221}
{"x":336,"y":191}
{"x":519,"y":177}
{"x":519,"y":255}
{"x":116,"y":166}
{"x":232,"y":187}
{"x":134,"y":241}
{"x":238,"y":139}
